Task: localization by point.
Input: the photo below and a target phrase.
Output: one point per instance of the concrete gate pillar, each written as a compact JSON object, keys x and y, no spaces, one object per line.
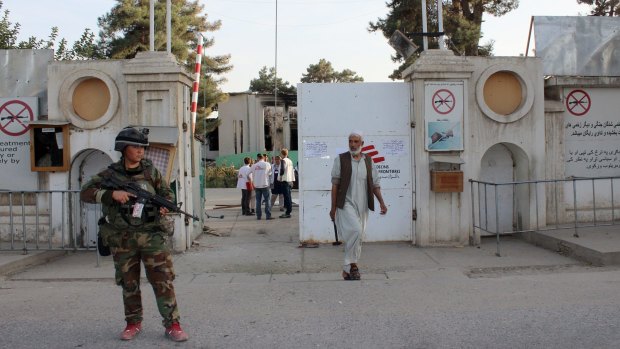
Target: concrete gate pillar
{"x":439,"y":214}
{"x":462,"y":108}
{"x":158,"y":94}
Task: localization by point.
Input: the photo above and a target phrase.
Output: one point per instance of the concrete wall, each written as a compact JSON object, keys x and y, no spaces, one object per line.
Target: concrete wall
{"x":151,"y":90}
{"x":521,"y":131}
{"x":590,"y":126}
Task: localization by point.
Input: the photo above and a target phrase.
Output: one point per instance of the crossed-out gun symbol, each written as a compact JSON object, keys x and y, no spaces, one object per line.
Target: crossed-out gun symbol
{"x":14,"y":117}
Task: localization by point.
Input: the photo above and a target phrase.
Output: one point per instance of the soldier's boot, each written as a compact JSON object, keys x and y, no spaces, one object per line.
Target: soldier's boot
{"x":131,"y":331}
{"x":176,"y":333}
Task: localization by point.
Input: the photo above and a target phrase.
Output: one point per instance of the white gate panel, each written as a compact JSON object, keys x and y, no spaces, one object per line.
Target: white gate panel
{"x":327,"y":114}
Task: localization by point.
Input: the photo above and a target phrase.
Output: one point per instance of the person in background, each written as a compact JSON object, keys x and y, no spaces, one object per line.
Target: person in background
{"x":276,"y":186}
{"x":354,"y":181}
{"x":135,"y":234}
{"x":287,"y":177}
{"x":252,"y":195}
{"x":261,"y":175}
{"x":243,"y":179}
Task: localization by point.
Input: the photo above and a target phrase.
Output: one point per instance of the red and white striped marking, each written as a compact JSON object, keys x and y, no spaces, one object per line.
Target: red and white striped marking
{"x":194,"y":105}
{"x":369,"y":150}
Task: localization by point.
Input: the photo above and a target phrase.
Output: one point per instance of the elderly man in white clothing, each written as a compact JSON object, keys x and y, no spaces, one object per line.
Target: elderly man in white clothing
{"x":354,"y":181}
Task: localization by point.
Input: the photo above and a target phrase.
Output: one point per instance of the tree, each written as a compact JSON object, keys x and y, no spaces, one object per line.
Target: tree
{"x":603,"y":7}
{"x":84,"y":48}
{"x":125,"y":32}
{"x":10,"y":31}
{"x":266,"y":82}
{"x":324,"y":72}
{"x":462,"y":22}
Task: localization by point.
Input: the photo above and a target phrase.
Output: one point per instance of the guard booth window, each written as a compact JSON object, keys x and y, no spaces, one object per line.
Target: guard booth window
{"x":49,"y":148}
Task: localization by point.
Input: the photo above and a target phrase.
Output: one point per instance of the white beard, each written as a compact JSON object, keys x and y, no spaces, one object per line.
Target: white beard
{"x":356,"y":152}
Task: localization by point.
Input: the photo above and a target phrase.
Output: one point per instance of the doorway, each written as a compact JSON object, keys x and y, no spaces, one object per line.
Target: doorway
{"x":87,"y":164}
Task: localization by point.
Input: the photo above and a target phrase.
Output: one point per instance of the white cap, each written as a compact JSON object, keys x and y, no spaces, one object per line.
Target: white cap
{"x":357,"y":133}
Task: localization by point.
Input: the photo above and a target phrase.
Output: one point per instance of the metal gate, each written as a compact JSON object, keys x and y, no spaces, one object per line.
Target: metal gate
{"x":327,"y":113}
{"x":43,"y":220}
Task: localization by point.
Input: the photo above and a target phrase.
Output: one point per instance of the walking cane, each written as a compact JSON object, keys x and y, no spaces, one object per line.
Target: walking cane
{"x":336,"y":243}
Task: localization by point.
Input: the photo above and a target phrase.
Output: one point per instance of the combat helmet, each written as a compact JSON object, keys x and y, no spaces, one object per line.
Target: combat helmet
{"x":131,"y":136}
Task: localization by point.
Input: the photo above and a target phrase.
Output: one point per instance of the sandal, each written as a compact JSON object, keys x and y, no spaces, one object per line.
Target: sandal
{"x":355,"y":273}
{"x":346,"y":275}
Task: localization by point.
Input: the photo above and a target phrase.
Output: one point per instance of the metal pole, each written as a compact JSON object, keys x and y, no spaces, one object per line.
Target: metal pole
{"x":275,"y":89}
{"x":536,"y":197}
{"x":555,"y":195}
{"x":612,"y":201}
{"x":594,"y":202}
{"x":497,"y":222}
{"x":36,"y":224}
{"x":473,"y":211}
{"x":575,"y":234}
{"x":11,"y":220}
{"x":479,"y":205}
{"x":424,"y":26}
{"x":442,"y":44}
{"x":23,"y":197}
{"x":152,"y":25}
{"x":169,"y":26}
{"x":49,"y":219}
{"x":486,"y":209}
{"x":62,"y":221}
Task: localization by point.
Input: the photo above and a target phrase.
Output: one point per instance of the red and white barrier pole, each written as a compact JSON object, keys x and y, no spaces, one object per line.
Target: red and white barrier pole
{"x":194,"y":106}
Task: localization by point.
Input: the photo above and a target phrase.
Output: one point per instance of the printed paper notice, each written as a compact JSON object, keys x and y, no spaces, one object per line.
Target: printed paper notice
{"x":315,"y":149}
{"x":394,"y":147}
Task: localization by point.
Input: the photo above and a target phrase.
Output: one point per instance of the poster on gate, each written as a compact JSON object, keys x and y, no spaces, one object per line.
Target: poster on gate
{"x":443,"y":115}
{"x":15,"y":116}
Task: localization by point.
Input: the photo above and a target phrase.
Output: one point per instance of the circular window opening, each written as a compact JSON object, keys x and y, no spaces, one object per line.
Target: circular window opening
{"x":503,"y":92}
{"x":91,"y":99}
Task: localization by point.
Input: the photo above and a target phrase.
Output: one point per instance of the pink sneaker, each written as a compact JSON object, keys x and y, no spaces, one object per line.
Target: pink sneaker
{"x":131,"y":331}
{"x":176,"y":333}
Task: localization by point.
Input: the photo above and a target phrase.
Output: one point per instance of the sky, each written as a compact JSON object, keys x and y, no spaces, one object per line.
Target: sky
{"x":307,"y":30}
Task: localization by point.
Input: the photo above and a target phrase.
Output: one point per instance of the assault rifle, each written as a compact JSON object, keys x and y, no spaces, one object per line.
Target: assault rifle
{"x":144,"y":196}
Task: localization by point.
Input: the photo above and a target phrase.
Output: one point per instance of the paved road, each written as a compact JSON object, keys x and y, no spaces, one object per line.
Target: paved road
{"x":252,"y":287}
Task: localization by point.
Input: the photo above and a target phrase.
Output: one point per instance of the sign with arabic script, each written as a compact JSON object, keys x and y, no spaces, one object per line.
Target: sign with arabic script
{"x":592,"y":132}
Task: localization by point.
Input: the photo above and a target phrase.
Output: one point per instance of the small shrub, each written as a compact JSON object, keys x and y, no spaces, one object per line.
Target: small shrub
{"x":221,"y":176}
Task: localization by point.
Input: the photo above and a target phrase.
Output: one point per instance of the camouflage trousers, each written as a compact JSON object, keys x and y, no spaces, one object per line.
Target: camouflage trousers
{"x":152,"y":250}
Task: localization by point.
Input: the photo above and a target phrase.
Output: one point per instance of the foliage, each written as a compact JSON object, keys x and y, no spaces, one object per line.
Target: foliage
{"x":84,"y":48}
{"x":462,"y":23}
{"x":603,"y":7}
{"x":125,"y":32}
{"x":324,"y":72}
{"x":221,"y":177}
{"x":266,"y":82}
{"x":10,"y":31}
{"x":205,"y":126}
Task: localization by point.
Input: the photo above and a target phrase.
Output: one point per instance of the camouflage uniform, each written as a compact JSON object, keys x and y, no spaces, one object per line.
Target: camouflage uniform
{"x":136,"y":239}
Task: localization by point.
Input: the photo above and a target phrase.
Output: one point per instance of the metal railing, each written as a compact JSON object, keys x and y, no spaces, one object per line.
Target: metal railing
{"x":541,"y":205}
{"x":46,"y":220}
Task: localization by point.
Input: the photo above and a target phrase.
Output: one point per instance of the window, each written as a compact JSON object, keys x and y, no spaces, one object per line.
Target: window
{"x":49,"y":147}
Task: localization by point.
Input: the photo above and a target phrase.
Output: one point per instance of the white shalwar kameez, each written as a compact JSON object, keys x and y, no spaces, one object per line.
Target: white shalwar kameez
{"x":351,"y":219}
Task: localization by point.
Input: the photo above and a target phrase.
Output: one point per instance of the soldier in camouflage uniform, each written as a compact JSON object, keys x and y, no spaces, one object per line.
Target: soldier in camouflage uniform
{"x":134,"y":233}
